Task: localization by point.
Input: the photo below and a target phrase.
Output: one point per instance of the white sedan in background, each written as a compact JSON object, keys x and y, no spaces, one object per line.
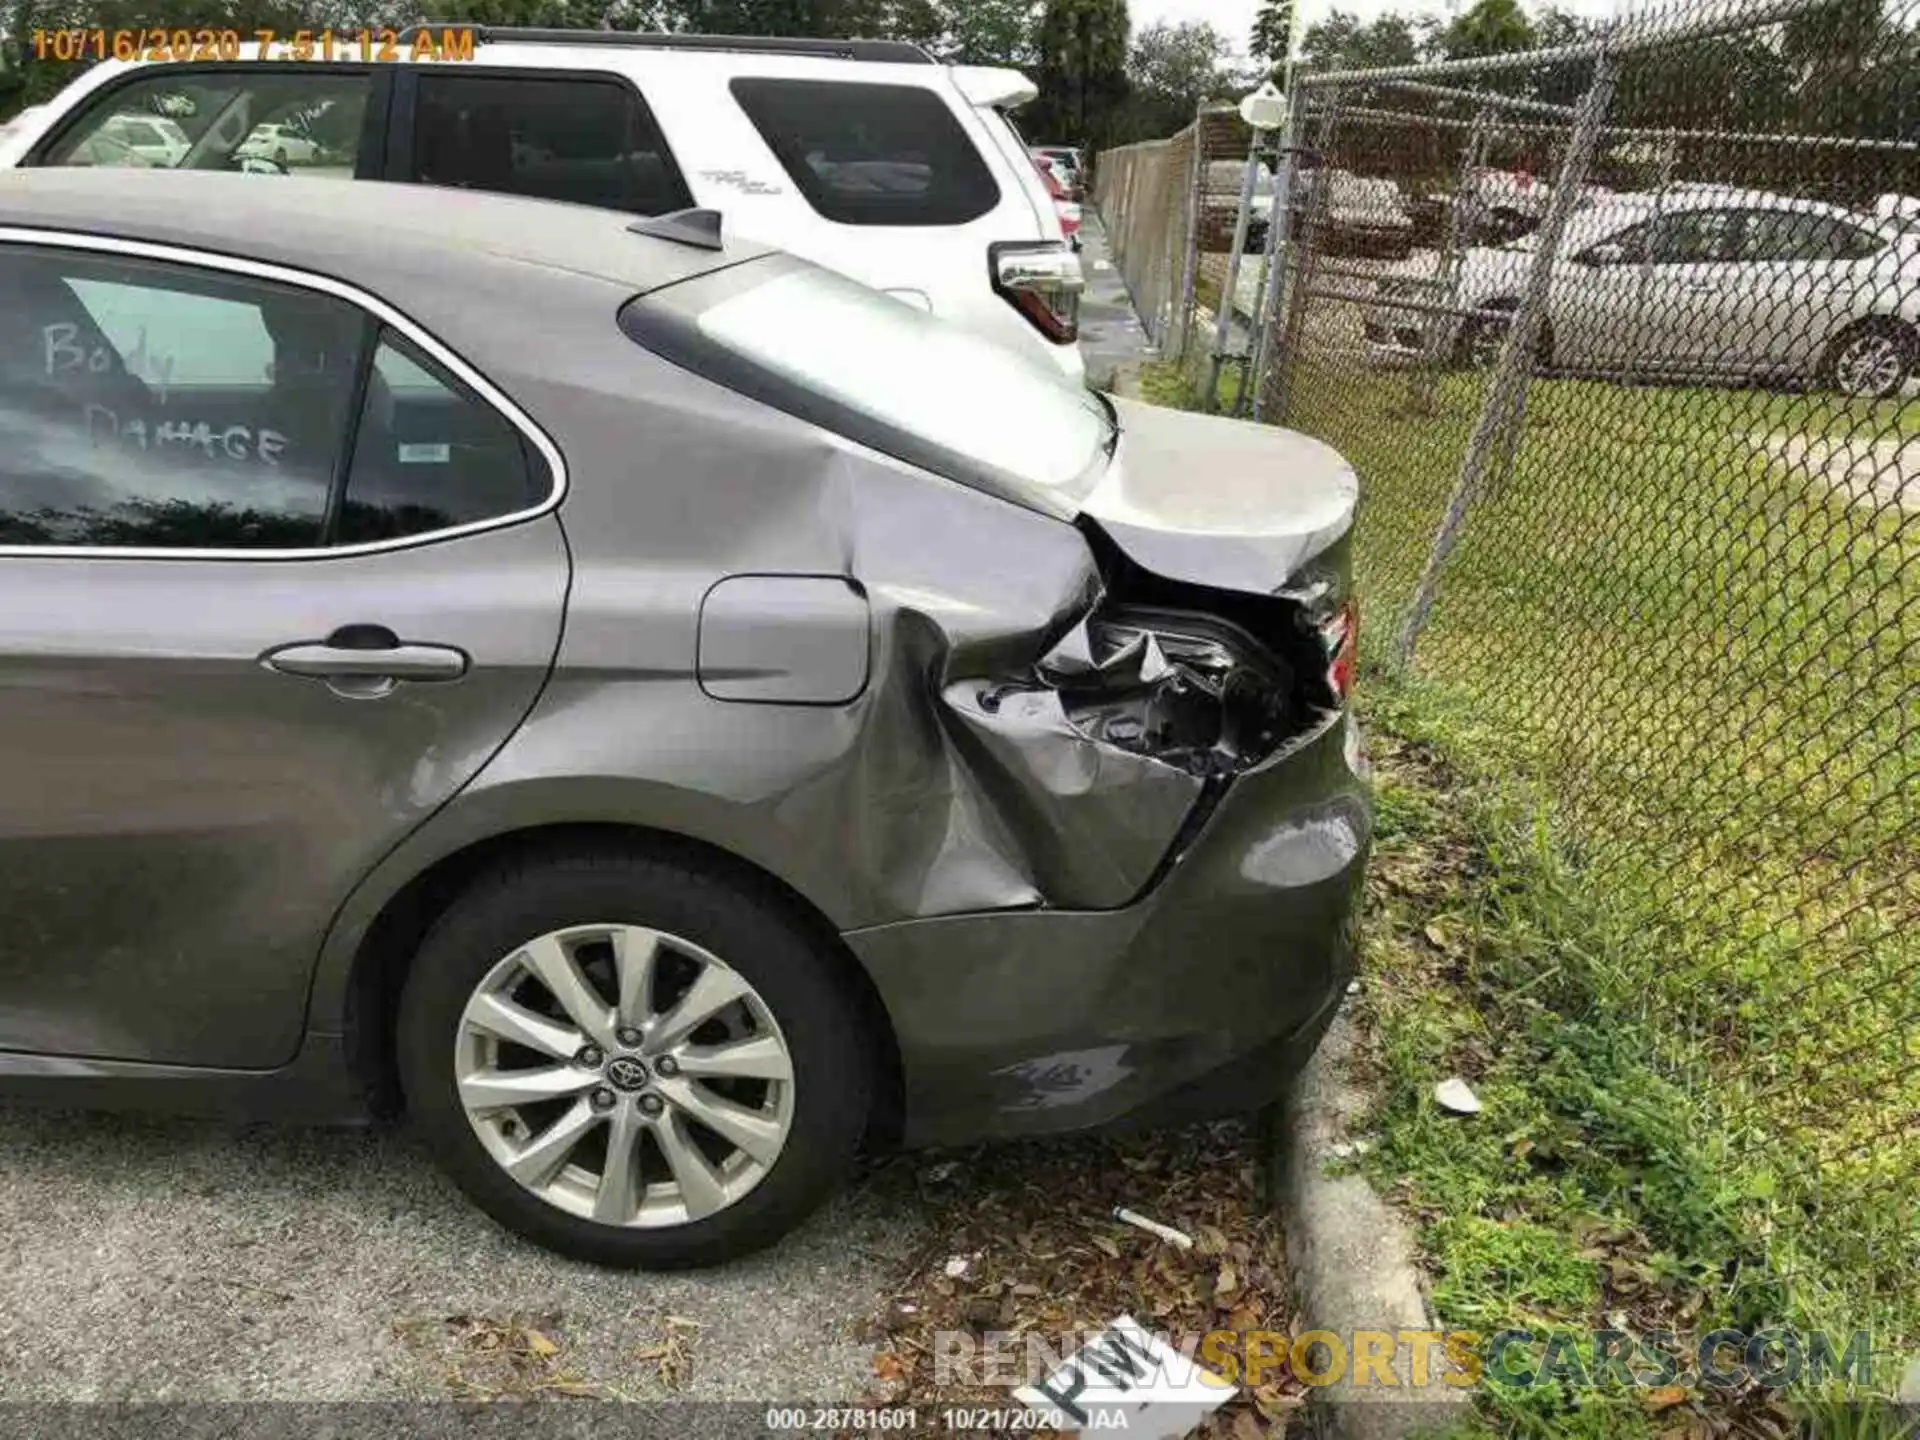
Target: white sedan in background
{"x":280,"y":143}
{"x":147,"y":141}
{"x":1698,"y":282}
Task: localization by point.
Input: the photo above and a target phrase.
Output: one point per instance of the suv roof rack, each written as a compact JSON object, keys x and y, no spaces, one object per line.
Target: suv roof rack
{"x":896,"y":52}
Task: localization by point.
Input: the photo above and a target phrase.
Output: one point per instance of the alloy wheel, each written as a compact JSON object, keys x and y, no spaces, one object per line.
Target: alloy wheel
{"x":1483,"y":342}
{"x":1871,"y":364}
{"x":624,"y":1075}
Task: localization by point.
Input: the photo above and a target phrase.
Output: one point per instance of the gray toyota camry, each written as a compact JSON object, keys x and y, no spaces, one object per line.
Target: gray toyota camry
{"x":661,"y":713}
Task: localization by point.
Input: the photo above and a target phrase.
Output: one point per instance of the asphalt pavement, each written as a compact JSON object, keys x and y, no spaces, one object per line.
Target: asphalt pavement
{"x":1110,"y":332}
{"x":145,"y":1259}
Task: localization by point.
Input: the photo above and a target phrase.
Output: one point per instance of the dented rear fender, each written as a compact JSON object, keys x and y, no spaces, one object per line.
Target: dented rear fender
{"x":951,"y":704}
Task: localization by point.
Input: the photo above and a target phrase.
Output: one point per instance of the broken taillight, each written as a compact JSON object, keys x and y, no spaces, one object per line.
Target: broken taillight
{"x":1342,"y":636}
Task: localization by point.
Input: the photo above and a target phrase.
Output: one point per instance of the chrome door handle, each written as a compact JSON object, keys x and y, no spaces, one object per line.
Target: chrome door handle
{"x":366,"y":661}
{"x":401,"y":662}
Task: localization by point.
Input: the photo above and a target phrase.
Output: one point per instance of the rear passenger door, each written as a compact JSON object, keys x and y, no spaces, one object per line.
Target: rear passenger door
{"x":1797,"y":277}
{"x":588,"y":138}
{"x":277,"y":577}
{"x":1689,"y":271}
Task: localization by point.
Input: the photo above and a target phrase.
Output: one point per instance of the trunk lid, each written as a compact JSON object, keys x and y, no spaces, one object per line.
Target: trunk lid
{"x":1226,"y":504}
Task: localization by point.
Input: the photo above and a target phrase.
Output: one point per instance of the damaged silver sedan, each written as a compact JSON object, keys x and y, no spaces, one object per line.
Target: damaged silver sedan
{"x":663,"y":714}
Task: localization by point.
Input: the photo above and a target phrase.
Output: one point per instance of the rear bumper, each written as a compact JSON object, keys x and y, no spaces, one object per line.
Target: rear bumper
{"x":1202,"y":997}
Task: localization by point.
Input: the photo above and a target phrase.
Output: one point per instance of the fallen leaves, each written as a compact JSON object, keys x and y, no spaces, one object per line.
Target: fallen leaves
{"x":486,"y":1357}
{"x":528,"y":1356}
{"x":672,"y":1354}
{"x":1226,"y":1282}
{"x":1048,"y":1260}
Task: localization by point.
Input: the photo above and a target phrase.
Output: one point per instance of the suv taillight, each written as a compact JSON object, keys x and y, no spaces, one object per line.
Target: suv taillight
{"x":1041,"y":279}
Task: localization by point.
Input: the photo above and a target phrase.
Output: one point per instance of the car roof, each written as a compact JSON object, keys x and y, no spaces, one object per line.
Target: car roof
{"x":360,"y":231}
{"x":813,"y":47}
{"x":590,"y":50}
{"x":1689,"y":195}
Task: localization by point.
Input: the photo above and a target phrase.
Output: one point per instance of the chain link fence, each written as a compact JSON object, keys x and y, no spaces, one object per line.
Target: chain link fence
{"x":1171,"y":208}
{"x":1622,"y":338}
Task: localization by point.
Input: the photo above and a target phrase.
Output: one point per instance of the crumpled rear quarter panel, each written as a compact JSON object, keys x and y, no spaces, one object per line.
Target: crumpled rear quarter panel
{"x":901,"y":803}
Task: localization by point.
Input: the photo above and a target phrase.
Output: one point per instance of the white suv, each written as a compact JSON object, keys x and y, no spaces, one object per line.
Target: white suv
{"x":864,"y":156}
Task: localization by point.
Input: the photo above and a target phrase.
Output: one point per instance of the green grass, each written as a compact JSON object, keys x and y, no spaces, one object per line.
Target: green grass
{"x":1670,"y":695}
{"x":1832,"y":414}
{"x":1711,"y":663}
{"x":1180,"y":386}
{"x":1593,"y":1191}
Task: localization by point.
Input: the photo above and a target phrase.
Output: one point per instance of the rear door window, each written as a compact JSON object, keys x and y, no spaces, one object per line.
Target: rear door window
{"x":1802,"y":235}
{"x":1692,"y":237}
{"x":871,"y":154}
{"x":157,"y":405}
{"x":280,"y":119}
{"x":584,"y":139}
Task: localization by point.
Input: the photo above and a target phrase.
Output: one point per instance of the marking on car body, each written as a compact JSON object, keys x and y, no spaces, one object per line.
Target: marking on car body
{"x":743,"y":182}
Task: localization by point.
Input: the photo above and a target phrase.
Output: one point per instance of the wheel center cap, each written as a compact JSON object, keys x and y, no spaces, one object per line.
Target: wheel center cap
{"x":626,"y":1073}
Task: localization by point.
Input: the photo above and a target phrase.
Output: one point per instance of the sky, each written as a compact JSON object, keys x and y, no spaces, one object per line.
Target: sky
{"x":1234,"y":18}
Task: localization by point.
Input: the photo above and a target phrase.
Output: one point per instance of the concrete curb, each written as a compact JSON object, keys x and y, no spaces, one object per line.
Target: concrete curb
{"x":1352,"y":1259}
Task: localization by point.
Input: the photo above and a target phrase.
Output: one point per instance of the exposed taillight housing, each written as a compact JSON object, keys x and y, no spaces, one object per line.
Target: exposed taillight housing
{"x":1342,"y":637}
{"x":1041,"y":279}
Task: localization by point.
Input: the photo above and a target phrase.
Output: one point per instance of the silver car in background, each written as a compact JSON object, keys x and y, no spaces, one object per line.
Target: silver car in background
{"x":1362,"y":215}
{"x":1694,"y":282}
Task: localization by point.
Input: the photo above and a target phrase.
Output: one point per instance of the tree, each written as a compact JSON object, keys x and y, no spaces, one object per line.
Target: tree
{"x":1341,"y":42}
{"x":770,"y":17}
{"x":1562,"y":27}
{"x":1491,"y":27}
{"x":989,"y":32}
{"x":563,"y":14}
{"x":1272,"y":32}
{"x":1173,"y":68}
{"x":1080,"y":66}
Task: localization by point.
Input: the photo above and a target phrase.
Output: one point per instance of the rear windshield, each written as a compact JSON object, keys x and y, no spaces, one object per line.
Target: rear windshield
{"x":867,"y":154}
{"x":878,"y":371}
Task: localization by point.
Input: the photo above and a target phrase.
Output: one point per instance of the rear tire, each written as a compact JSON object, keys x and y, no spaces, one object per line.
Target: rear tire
{"x":1872,"y":360}
{"x":687,"y":1194}
{"x":1506,"y":224}
{"x":1481,"y":340}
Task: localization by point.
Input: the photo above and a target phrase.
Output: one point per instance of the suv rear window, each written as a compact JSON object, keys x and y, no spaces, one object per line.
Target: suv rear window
{"x":563,"y":138}
{"x":867,"y":154}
